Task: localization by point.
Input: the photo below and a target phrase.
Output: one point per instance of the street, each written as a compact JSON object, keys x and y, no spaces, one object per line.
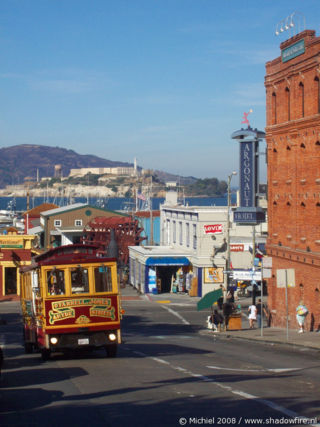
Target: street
{"x":169,"y":371}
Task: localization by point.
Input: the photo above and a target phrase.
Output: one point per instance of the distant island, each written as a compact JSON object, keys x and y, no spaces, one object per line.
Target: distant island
{"x":41,"y":170}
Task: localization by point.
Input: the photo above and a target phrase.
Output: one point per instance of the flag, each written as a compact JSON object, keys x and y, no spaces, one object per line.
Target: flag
{"x":141,"y":197}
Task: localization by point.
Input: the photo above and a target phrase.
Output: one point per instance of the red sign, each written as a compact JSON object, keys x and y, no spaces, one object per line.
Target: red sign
{"x":237,"y":248}
{"x":81,"y":311}
{"x":213,"y":229}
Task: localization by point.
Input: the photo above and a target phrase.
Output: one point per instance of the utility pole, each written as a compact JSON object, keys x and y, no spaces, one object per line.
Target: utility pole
{"x":228,"y":262}
{"x":254,"y":286}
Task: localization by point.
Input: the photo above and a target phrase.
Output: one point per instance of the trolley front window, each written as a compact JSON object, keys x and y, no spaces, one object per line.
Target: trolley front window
{"x":103,"y":279}
{"x":79,"y":280}
{"x":56,"y":282}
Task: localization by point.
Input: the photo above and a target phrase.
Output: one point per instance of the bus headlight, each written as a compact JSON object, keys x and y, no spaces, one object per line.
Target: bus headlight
{"x":112,"y":337}
{"x":53,"y":340}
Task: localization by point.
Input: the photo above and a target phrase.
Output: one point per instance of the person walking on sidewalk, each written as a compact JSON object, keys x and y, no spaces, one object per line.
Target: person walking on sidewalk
{"x":301,"y":315}
{"x":252,"y":309}
{"x":260,"y":310}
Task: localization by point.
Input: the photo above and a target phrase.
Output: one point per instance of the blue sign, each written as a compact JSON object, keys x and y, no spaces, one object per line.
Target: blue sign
{"x":250,"y":216}
{"x":292,"y":51}
{"x":247,"y":174}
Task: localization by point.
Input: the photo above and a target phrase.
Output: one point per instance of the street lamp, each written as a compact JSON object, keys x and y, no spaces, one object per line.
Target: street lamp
{"x":228,"y":263}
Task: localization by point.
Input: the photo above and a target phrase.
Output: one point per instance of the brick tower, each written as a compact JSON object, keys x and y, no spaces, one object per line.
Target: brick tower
{"x":292,"y":84}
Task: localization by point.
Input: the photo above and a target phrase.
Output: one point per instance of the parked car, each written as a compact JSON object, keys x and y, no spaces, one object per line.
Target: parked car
{"x":249,"y":290}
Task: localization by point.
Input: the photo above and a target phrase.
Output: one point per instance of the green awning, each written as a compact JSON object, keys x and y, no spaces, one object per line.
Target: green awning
{"x":209,"y":299}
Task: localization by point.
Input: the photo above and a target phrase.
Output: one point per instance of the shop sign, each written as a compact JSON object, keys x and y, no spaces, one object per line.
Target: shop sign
{"x":237,"y":248}
{"x":247,"y":275}
{"x":292,"y":51}
{"x":254,"y":216}
{"x":213,"y":229}
{"x":11,"y":243}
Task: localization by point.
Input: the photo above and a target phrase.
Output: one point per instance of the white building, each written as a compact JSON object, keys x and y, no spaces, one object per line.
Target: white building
{"x":118,"y":171}
{"x":193,"y":249}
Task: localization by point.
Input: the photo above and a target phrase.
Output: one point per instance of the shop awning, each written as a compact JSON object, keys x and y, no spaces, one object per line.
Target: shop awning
{"x":167,"y":261}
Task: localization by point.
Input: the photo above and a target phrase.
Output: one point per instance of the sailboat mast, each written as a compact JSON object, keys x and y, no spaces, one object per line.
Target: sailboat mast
{"x":151,"y":214}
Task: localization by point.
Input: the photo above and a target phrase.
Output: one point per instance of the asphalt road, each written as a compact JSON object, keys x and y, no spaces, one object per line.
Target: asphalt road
{"x":170,"y":371}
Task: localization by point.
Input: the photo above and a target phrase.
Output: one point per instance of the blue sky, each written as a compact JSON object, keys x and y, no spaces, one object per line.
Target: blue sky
{"x":165,"y":81}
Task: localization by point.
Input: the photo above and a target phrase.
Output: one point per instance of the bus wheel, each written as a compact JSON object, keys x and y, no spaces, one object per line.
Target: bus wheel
{"x":45,"y":354}
{"x":28,"y":348}
{"x":111,"y":350}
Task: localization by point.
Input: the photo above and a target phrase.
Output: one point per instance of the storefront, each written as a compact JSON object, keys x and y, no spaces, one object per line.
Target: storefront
{"x":159,"y":270}
{"x":15,"y":252}
{"x":168,"y":274}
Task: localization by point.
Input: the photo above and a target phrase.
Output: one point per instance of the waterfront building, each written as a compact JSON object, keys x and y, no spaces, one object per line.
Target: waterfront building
{"x":193,"y":252}
{"x":292,"y":84}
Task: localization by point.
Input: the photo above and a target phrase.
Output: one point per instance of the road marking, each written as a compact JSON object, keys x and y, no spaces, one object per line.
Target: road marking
{"x":240,"y":393}
{"x":165,"y":337}
{"x":176,"y":314}
{"x":163,"y":302}
{"x":278,"y":370}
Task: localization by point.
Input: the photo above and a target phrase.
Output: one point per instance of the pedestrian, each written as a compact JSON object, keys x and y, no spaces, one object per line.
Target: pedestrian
{"x":227,"y":312}
{"x":215,"y":321}
{"x":220,"y":300}
{"x":230,"y":296}
{"x":252,"y":309}
{"x":301,"y":314}
{"x":260,"y":310}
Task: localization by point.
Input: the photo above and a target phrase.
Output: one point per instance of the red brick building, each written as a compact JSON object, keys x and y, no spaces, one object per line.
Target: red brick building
{"x":293,"y":145}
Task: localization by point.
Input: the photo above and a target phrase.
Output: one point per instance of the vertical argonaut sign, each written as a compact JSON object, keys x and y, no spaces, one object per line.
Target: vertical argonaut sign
{"x":247,"y":174}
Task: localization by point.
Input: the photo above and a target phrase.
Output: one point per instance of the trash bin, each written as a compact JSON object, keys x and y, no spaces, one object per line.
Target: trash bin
{"x":235,"y":322}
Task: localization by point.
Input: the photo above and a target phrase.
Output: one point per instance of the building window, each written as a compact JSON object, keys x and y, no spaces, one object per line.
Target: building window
{"x":187,"y":234}
{"x":274,"y":108}
{"x":168,"y":231}
{"x":288,"y":102}
{"x":180,"y":232}
{"x":78,"y":222}
{"x":194,"y":236}
{"x":57,"y":223}
{"x":301,"y":91}
{"x":174,"y":232}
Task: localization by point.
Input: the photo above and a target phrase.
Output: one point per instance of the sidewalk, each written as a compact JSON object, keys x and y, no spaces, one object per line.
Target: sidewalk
{"x":269,"y":335}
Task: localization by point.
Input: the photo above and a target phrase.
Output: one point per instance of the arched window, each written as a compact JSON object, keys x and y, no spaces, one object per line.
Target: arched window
{"x":288,"y":102}
{"x":274,"y":108}
{"x":301,"y":91}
